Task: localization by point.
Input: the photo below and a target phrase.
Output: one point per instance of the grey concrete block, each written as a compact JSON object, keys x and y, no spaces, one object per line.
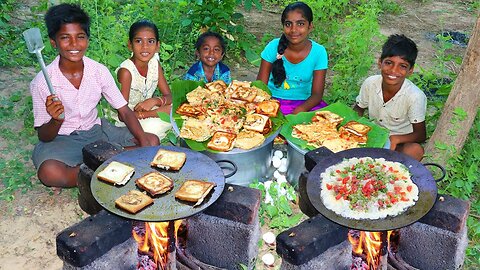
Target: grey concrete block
{"x":448,"y":213}
{"x":121,"y":257}
{"x":430,"y":248}
{"x":222,"y":242}
{"x":338,"y":257}
{"x":237,"y":203}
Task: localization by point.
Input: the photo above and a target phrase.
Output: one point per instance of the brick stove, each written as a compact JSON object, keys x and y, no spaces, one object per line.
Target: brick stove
{"x":436,"y":241}
{"x":223,"y":236}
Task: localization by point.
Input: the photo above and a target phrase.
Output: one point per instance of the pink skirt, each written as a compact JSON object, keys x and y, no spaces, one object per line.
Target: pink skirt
{"x":288,"y":106}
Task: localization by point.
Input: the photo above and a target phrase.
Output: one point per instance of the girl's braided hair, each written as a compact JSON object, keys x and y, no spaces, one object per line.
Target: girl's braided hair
{"x":278,"y":70}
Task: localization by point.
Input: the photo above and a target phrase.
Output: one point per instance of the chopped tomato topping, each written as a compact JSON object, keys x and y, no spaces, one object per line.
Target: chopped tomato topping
{"x":409,"y":188}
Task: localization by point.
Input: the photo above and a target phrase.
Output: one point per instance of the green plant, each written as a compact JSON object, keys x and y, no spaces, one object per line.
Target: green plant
{"x":275,"y":208}
{"x":14,"y":173}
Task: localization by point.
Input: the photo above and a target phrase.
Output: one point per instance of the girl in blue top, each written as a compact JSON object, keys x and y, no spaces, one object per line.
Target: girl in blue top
{"x":293,"y":66}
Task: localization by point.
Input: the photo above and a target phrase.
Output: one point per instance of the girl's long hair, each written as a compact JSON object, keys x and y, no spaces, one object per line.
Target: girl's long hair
{"x":278,"y":70}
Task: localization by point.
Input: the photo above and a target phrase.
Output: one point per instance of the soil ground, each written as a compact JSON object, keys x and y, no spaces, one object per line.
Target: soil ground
{"x":30,"y":223}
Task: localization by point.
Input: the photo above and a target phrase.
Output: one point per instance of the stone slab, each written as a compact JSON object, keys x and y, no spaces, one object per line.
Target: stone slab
{"x":84,"y":242}
{"x":121,"y":257}
{"x":309,"y":239}
{"x":338,"y":257}
{"x":94,"y":154}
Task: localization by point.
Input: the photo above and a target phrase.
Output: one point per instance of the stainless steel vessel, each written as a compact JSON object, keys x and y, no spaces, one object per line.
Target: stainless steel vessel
{"x":242,"y":167}
{"x":295,"y":163}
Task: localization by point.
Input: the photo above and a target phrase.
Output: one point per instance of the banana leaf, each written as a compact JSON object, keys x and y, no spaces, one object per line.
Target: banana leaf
{"x":181,"y":88}
{"x":377,"y":137}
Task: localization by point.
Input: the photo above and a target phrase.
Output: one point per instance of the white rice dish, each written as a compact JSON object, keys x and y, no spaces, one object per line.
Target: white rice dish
{"x":367,"y":188}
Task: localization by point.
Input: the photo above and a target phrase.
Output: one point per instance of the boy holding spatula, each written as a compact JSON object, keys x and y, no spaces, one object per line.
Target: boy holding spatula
{"x":79,"y":83}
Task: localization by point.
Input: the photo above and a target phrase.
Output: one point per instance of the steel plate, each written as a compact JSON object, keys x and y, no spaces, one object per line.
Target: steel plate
{"x":165,"y":207}
{"x":421,"y":176}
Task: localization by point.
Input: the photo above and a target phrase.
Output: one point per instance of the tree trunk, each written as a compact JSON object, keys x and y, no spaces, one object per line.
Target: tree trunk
{"x":461,"y":106}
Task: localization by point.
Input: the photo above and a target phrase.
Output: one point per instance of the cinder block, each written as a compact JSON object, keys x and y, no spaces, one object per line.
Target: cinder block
{"x":303,"y":201}
{"x":430,"y":248}
{"x":315,"y":156}
{"x":237,"y":203}
{"x":94,"y":154}
{"x":309,"y":239}
{"x":84,"y":242}
{"x":448,"y":213}
{"x":85,"y":198}
{"x":222,"y":242}
{"x":121,"y":257}
{"x":338,"y":257}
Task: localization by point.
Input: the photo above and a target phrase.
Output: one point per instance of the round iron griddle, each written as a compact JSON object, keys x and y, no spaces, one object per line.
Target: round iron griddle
{"x":165,"y":207}
{"x":420,"y":176}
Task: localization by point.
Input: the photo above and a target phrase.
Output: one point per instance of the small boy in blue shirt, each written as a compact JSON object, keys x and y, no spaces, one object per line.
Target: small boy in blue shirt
{"x":210,"y":49}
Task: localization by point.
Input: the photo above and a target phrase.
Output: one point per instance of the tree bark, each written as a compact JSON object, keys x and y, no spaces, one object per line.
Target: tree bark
{"x":453,"y":126}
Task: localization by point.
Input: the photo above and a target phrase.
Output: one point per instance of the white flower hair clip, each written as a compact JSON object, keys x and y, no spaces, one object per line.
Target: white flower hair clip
{"x":279,"y":56}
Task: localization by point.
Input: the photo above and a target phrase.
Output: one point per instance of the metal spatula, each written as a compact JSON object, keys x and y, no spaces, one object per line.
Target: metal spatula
{"x":33,"y":39}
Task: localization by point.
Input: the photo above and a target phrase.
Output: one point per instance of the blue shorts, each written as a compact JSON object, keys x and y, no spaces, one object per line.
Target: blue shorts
{"x":68,"y":148}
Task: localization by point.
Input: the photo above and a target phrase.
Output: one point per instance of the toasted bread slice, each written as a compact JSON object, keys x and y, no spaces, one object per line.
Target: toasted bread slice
{"x":244,"y":93}
{"x":327,"y":117}
{"x":196,"y":97}
{"x":268,"y":127}
{"x":261,"y":95}
{"x":222,"y":141}
{"x":196,"y":130}
{"x":169,"y":160}
{"x":339,"y":144}
{"x":133,"y":201}
{"x":194,"y":191}
{"x":355,"y":131}
{"x":216,"y":86}
{"x":116,"y":173}
{"x":247,"y":139}
{"x":255,"y":122}
{"x":268,"y":107}
{"x":190,"y":110}
{"x":155,"y":183}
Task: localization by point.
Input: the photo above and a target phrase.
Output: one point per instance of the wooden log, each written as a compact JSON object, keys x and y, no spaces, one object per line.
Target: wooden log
{"x":453,"y":127}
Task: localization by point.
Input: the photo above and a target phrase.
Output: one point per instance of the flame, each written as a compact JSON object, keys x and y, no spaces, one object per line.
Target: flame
{"x":155,"y":240}
{"x":369,"y":244}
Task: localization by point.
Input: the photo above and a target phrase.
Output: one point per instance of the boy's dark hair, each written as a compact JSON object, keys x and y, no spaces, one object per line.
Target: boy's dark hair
{"x":63,"y":14}
{"x":202,"y":37}
{"x":402,"y":46}
{"x":278,"y":70}
{"x":136,"y":26}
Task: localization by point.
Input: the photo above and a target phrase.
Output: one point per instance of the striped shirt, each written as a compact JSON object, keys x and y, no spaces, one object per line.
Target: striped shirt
{"x":80,"y":104}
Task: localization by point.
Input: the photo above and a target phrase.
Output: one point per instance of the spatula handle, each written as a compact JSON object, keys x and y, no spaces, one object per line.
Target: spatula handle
{"x":47,"y":78}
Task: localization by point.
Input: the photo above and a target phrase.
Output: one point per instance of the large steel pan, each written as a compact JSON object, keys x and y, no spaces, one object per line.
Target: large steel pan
{"x":421,"y":176}
{"x":165,"y":206}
